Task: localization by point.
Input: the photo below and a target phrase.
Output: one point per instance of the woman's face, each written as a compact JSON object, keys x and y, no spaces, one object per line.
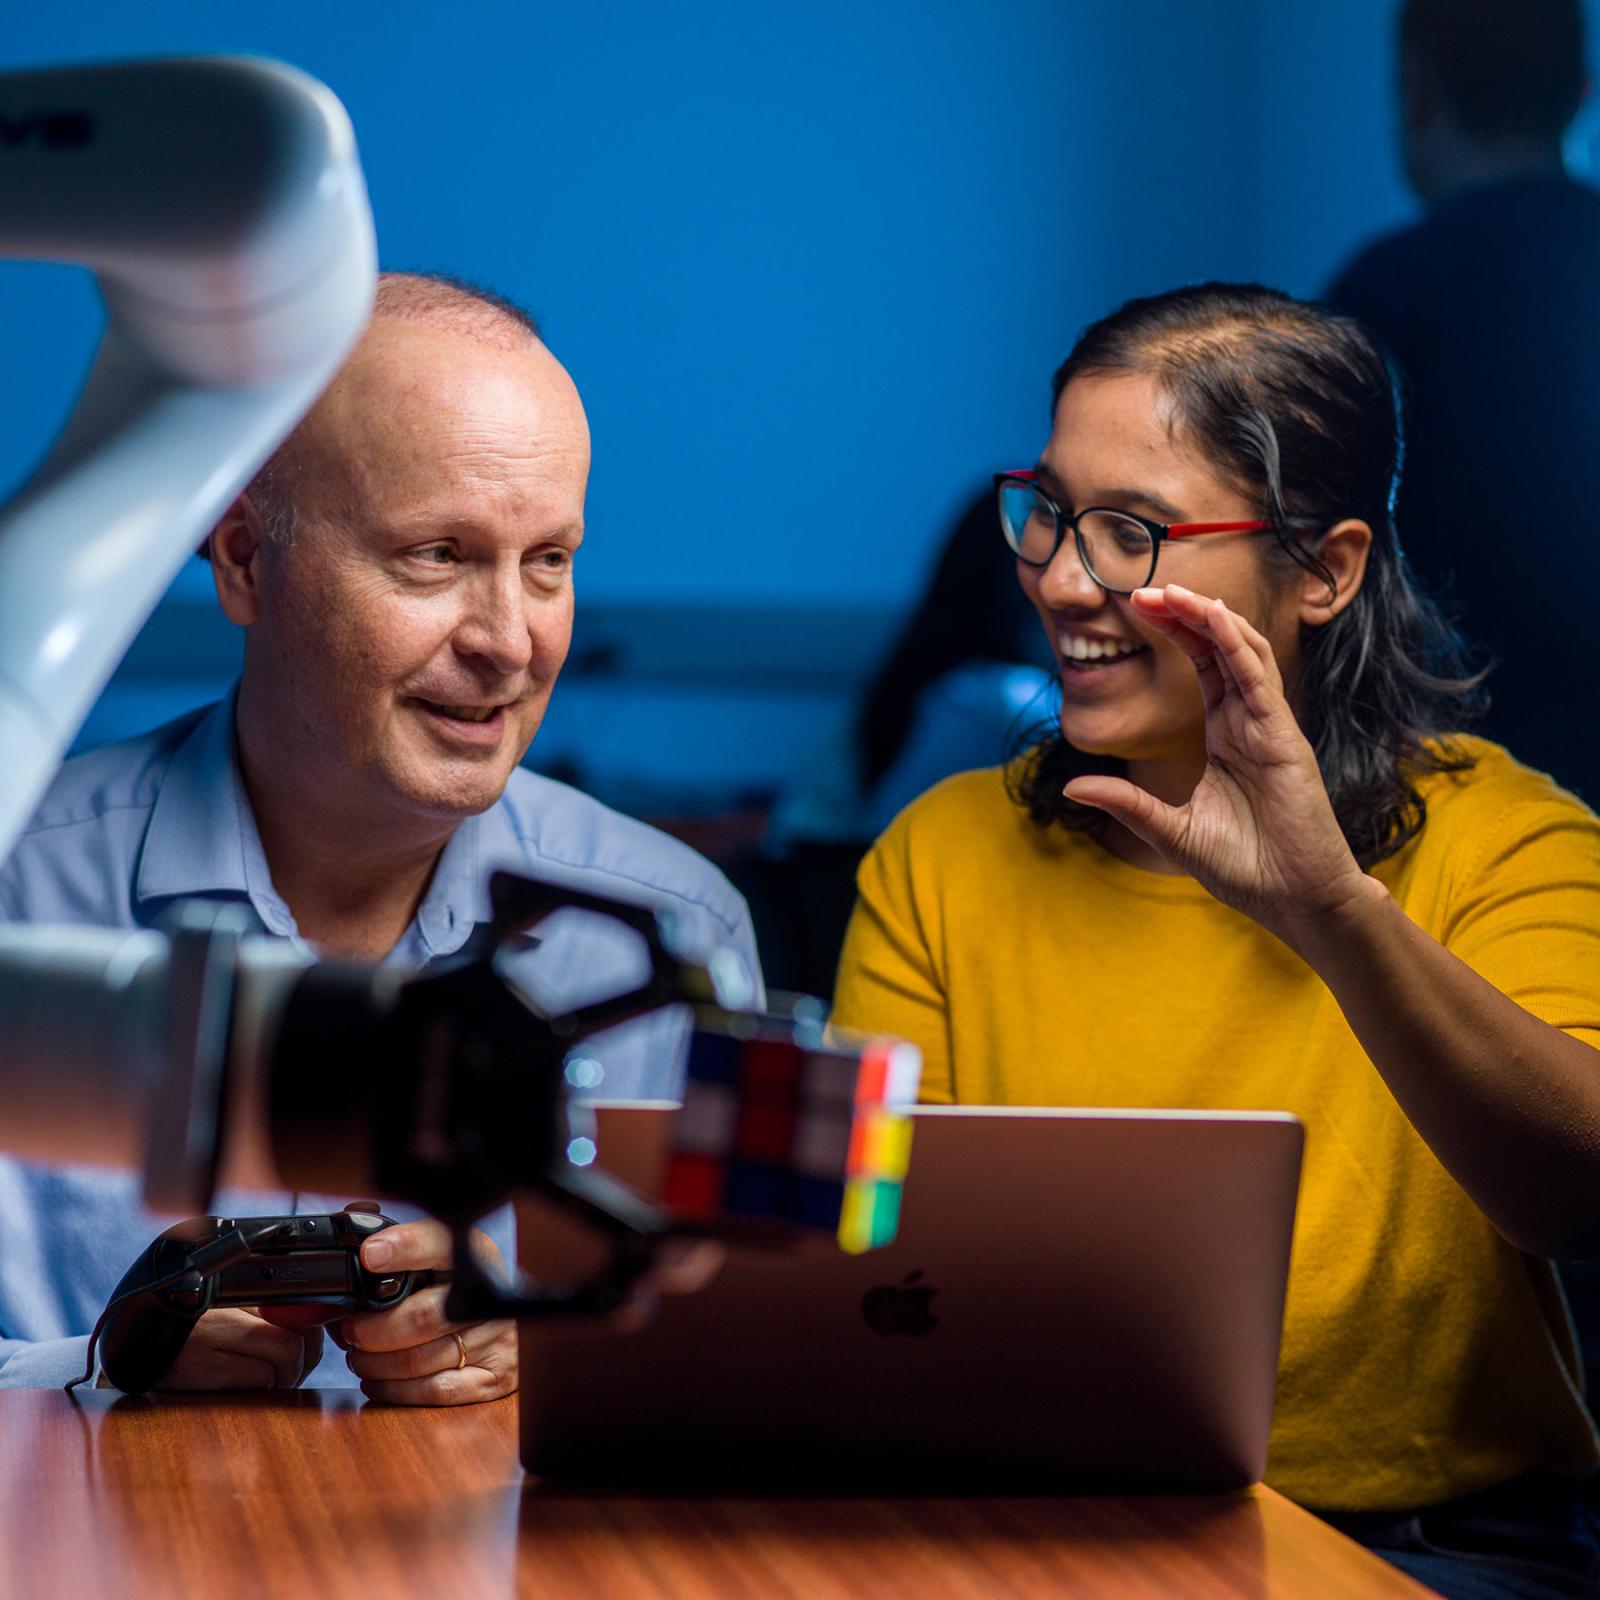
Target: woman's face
{"x":1111,"y":446}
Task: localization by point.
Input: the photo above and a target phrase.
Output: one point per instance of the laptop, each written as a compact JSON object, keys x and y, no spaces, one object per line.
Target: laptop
{"x":1076,"y":1300}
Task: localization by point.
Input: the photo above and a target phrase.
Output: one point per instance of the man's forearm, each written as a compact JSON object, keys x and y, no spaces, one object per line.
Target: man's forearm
{"x":42,"y":1363}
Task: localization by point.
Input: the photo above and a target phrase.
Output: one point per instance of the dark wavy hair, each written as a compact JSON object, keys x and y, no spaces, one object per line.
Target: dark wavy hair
{"x":1297,"y":407}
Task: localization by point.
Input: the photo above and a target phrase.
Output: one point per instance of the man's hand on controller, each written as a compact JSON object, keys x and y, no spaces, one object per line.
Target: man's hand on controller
{"x":233,"y":1348}
{"x":413,"y":1355}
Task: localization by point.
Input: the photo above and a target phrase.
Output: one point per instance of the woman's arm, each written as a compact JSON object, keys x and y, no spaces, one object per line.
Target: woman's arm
{"x":1508,"y":1103}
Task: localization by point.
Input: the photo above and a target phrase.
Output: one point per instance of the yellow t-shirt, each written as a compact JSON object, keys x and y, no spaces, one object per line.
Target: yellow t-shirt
{"x":1423,"y":1356}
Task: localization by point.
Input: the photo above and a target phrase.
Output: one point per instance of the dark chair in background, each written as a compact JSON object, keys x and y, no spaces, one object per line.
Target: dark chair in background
{"x":961,"y":681}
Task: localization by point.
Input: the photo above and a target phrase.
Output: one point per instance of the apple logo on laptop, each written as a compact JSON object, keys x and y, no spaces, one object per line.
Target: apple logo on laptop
{"x":901,"y":1308}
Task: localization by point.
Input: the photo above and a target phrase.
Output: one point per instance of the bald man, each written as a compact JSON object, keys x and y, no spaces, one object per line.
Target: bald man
{"x":403,"y":571}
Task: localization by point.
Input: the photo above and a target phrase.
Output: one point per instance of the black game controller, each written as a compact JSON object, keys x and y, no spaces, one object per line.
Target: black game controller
{"x":208,"y":1262}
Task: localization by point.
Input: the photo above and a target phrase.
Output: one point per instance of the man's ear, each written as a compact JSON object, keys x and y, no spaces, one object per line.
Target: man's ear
{"x":235,"y":548}
{"x":1343,"y":552}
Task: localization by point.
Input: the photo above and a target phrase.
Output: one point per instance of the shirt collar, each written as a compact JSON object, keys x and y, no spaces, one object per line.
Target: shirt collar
{"x":455,"y":899}
{"x":202,"y":839}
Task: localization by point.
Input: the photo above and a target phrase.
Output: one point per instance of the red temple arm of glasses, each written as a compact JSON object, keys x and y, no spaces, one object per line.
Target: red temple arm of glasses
{"x":1175,"y":530}
{"x":1183,"y":530}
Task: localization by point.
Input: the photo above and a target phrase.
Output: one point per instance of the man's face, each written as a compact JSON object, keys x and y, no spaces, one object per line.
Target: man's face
{"x":408,"y":636}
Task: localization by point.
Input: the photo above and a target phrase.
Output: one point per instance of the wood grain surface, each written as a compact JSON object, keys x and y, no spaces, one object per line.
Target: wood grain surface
{"x":316,"y":1494}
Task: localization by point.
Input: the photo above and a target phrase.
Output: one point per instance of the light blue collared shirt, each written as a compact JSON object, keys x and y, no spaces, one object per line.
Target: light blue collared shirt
{"x":126,"y":831}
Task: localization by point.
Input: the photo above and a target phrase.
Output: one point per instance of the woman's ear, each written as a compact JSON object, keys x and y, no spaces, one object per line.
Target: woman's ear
{"x":1343,"y":552}
{"x":235,"y":551}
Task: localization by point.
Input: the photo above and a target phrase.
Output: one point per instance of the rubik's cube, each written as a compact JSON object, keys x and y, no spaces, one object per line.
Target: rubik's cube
{"x":780,"y":1137}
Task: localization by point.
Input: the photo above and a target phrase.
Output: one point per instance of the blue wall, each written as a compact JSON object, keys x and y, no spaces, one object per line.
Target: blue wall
{"x":810,"y":266}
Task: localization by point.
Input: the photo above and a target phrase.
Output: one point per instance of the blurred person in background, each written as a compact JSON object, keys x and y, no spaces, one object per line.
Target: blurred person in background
{"x":1490,"y":305}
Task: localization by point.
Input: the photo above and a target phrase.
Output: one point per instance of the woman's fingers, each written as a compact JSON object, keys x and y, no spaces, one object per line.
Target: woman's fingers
{"x":1240,"y":659}
{"x":1161,"y":826}
{"x":1212,"y":635}
{"x":1153,"y":610}
{"x":1211,"y":619}
{"x":1153,"y":607}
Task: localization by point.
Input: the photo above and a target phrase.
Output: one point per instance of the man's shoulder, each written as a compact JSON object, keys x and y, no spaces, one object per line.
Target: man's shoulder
{"x":564,"y":833}
{"x":88,"y":825}
{"x":1517,"y":220}
{"x":116,"y":777}
{"x":1385,"y":269}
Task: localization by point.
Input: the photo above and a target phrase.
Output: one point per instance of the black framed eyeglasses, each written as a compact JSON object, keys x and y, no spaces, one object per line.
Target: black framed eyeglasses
{"x":1118,"y":549}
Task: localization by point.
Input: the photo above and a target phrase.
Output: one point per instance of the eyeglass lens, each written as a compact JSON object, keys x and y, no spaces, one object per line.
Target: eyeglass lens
{"x":1117,"y":551}
{"x":1028,"y":523}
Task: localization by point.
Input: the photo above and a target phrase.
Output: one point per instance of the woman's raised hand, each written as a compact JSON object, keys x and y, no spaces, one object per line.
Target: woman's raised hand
{"x":1259,"y":831}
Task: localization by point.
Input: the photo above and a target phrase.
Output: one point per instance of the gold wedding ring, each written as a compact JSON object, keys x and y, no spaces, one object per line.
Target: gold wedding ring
{"x":461,"y":1345}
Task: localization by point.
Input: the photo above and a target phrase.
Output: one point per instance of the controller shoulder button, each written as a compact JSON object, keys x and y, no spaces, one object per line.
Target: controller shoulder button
{"x":187,"y":1294}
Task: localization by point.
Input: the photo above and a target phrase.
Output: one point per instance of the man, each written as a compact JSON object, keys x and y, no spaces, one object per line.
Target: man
{"x":403,"y":571}
{"x":1491,"y":306}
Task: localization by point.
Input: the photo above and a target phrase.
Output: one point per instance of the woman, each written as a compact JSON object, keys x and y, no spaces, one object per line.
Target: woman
{"x":1258,"y":869}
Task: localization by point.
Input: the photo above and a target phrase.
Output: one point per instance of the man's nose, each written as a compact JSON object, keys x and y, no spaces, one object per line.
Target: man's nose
{"x":1065,"y":584}
{"x":494,"y":625}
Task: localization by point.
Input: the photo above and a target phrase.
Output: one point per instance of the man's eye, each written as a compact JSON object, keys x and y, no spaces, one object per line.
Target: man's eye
{"x":554,"y":560}
{"x":436,"y":555}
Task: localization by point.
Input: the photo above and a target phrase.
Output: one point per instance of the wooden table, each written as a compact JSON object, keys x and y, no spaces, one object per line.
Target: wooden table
{"x":315,"y":1495}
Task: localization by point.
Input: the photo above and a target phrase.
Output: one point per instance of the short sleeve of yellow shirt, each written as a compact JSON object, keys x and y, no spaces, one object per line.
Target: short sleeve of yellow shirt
{"x":1423,"y":1356}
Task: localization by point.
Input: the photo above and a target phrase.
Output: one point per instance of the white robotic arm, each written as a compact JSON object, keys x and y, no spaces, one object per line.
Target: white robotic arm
{"x":222,"y":208}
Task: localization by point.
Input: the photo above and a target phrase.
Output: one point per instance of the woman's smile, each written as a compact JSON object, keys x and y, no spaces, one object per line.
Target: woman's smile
{"x":1092,"y":666}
